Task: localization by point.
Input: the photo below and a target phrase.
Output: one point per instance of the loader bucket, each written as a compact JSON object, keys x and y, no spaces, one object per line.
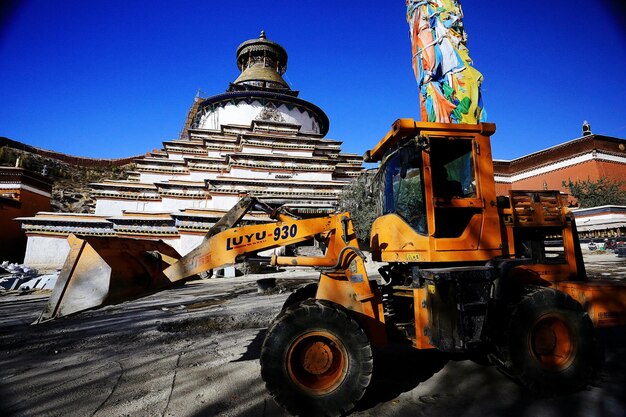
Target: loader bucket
{"x":108,"y":270}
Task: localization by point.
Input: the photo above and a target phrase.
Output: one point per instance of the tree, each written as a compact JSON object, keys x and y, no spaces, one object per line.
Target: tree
{"x":361,"y":202}
{"x":602,"y":192}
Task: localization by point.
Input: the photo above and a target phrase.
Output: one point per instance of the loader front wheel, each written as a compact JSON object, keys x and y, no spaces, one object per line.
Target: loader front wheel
{"x":303,"y":293}
{"x":316,"y":360}
{"x":551,"y":346}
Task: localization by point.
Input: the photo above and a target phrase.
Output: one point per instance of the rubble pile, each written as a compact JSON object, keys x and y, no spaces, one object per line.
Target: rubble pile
{"x":15,"y":277}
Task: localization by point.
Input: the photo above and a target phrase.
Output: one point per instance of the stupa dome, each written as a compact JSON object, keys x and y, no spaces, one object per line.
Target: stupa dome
{"x":261,"y":93}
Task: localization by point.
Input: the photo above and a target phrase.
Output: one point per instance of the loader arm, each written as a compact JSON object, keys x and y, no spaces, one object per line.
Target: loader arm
{"x":102,"y":270}
{"x":343,"y":278}
{"x":228,"y":247}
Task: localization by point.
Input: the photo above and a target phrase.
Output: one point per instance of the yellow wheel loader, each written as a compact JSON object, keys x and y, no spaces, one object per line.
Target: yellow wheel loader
{"x":465,"y":271}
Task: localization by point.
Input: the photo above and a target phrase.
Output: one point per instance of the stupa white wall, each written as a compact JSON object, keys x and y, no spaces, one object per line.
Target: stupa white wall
{"x":244,"y":113}
{"x":111,"y":207}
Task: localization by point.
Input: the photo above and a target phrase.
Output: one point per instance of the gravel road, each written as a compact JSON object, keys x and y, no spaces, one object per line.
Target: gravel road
{"x":193,"y":351}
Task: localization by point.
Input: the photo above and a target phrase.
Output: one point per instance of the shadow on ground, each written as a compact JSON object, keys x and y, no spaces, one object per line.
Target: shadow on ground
{"x":156,"y":357}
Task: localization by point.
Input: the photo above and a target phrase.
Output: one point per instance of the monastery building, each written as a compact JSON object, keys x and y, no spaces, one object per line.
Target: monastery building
{"x":259,"y":138}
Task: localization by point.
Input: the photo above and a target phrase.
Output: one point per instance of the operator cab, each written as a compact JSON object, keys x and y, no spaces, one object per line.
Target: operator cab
{"x":437,"y":193}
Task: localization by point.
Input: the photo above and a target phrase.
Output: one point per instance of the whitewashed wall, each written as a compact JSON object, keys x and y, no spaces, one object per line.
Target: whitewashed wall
{"x":299,"y":175}
{"x":258,"y":150}
{"x":105,"y":207}
{"x":200,"y":176}
{"x":224,"y":202}
{"x":175,"y":204}
{"x":46,"y":253}
{"x":244,"y":114}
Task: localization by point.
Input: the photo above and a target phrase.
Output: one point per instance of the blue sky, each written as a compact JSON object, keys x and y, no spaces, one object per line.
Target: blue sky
{"x":116,"y":78}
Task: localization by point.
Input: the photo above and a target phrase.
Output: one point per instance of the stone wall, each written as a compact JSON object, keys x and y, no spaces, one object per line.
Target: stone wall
{"x":69,"y":159}
{"x":71,"y":174}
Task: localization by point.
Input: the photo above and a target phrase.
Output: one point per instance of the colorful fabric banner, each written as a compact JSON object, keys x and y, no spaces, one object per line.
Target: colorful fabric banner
{"x":449,"y":86}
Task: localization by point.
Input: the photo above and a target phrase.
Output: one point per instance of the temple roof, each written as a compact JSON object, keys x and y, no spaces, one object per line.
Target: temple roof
{"x":21,"y":176}
{"x":269,"y":181}
{"x":260,"y":74}
{"x":49,"y":216}
{"x":280,"y":158}
{"x":124,"y":184}
{"x":178,"y":183}
{"x":205,"y":213}
{"x":262,"y":44}
{"x":262,"y":64}
{"x":591,"y":144}
{"x":306,"y":138}
{"x":160,"y":161}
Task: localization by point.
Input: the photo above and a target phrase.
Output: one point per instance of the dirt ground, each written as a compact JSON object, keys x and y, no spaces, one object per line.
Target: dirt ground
{"x":194,"y":350}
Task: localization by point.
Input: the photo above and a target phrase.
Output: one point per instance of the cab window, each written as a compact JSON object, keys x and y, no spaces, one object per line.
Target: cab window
{"x":453,"y":168}
{"x":404,"y":188}
{"x":453,"y":178}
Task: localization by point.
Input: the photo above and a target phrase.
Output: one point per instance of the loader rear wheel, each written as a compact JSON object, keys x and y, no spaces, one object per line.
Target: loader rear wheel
{"x":316,"y":360}
{"x":550,"y":345}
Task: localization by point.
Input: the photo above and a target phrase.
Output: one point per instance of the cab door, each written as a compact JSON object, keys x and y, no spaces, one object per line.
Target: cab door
{"x":455,"y":193}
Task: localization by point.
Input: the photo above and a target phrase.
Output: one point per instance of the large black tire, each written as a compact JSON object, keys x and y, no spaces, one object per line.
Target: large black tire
{"x":316,"y":360}
{"x":549,"y":344}
{"x":303,"y":293}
